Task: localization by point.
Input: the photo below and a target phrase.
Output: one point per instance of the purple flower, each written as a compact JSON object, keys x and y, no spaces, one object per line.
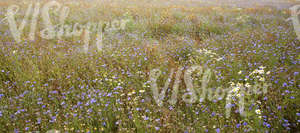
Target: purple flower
{"x":267,"y":124}
{"x":93,"y":100}
{"x":238,"y":125}
{"x":213,"y":114}
{"x":284,"y":84}
{"x":298,"y":114}
{"x":285,"y":124}
{"x":156,"y":128}
{"x":218,"y":130}
{"x":279,"y":107}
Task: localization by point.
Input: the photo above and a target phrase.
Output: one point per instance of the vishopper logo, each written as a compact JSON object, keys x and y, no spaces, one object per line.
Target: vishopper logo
{"x":234,"y":91}
{"x":295,"y":13}
{"x":59,"y":30}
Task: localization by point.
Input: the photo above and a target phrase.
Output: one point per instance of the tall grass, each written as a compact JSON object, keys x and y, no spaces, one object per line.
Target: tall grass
{"x":47,"y":84}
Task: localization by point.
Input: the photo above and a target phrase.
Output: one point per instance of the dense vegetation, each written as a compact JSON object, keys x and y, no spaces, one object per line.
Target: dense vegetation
{"x":50,"y":84}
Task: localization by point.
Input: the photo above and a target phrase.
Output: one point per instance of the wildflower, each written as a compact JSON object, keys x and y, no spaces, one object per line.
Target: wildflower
{"x":236,"y":89}
{"x":240,"y":72}
{"x":142,"y":91}
{"x":265,"y":98}
{"x":238,"y":125}
{"x":267,"y":124}
{"x":268,"y":72}
{"x":298,"y":114}
{"x":213,"y":114}
{"x":254,"y":72}
{"x":156,"y":128}
{"x":218,"y":130}
{"x":146,"y":118}
{"x":93,"y":100}
{"x":258,"y":111}
{"x":231,"y":83}
{"x":247,"y":85}
{"x":262,"y":79}
{"x":262,"y":67}
{"x":279,"y":107}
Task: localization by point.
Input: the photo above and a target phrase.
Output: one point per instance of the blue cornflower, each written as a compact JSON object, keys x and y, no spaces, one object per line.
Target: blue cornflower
{"x":279,"y":107}
{"x":93,"y":100}
{"x":213,"y":114}
{"x":238,"y":125}
{"x":267,"y":124}
{"x":218,"y":130}
{"x":284,"y":84}
{"x":156,"y":128}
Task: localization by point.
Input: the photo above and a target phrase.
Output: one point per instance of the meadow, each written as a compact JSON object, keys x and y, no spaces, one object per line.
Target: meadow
{"x":51,"y":84}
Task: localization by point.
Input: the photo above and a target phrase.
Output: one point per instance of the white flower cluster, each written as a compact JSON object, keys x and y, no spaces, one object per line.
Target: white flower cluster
{"x":210,"y":53}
